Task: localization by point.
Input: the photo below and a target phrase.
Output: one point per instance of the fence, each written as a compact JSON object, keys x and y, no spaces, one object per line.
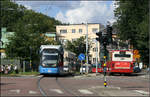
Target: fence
{"x":21,"y":64}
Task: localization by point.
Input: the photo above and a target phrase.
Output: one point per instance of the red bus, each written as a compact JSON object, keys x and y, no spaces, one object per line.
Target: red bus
{"x":121,"y":61}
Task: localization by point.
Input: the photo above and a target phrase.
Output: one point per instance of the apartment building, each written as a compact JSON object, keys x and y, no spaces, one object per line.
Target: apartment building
{"x":72,"y":32}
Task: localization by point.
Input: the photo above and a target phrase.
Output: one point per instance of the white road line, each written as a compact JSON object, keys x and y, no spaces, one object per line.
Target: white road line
{"x":108,"y":87}
{"x":32,"y":92}
{"x":57,"y":90}
{"x":40,"y":76}
{"x":142,"y":92}
{"x":15,"y":91}
{"x":84,"y":91}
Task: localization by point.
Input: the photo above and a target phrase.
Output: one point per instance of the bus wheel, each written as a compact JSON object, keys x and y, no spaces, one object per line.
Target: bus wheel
{"x":110,"y":73}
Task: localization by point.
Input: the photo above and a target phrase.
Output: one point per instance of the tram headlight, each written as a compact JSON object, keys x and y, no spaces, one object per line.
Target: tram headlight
{"x":54,"y":64}
{"x":43,"y":65}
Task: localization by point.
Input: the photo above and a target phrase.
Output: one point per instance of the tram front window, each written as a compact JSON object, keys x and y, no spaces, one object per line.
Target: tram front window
{"x":49,"y":60}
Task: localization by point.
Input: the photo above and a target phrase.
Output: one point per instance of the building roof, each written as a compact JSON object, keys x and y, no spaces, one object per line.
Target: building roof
{"x":77,"y":24}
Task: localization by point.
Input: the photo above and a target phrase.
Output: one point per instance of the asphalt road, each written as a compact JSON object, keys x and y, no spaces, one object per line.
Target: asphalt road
{"x":90,"y":85}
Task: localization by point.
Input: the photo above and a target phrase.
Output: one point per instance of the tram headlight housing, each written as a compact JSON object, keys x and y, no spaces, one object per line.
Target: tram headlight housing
{"x":43,"y":64}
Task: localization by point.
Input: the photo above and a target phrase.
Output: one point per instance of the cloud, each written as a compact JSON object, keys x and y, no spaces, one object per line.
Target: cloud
{"x":28,"y":7}
{"x":61,"y":17}
{"x":60,"y":4}
{"x":75,"y":11}
{"x":88,"y":11}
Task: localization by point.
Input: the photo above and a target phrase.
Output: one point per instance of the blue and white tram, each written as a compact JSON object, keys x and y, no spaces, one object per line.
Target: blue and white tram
{"x":51,"y":59}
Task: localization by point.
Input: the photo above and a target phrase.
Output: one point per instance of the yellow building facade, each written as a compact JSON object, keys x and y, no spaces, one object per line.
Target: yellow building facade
{"x":72,"y":32}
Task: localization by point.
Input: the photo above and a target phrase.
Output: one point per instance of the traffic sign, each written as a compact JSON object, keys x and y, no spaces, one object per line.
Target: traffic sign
{"x":136,"y":54}
{"x":81,"y":56}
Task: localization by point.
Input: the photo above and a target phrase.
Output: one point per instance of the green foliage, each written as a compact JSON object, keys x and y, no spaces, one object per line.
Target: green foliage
{"x":29,"y":28}
{"x":10,"y":13}
{"x":132,"y":22}
{"x":78,"y":46}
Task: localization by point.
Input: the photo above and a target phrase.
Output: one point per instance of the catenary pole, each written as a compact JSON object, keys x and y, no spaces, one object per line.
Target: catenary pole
{"x":87,"y":47}
{"x":96,"y":55}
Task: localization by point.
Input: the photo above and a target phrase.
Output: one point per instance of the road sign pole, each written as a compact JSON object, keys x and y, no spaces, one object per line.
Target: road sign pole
{"x":81,"y":57}
{"x":81,"y":67}
{"x":104,"y":70}
{"x":105,"y":67}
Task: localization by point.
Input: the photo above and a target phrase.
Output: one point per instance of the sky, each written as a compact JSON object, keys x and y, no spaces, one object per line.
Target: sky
{"x":75,"y":11}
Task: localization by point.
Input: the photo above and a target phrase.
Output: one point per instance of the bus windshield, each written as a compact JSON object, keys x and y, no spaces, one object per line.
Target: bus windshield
{"x":122,"y":56}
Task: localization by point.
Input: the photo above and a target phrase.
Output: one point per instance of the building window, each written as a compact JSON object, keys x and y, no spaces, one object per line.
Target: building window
{"x":73,"y":30}
{"x":63,"y":31}
{"x":80,"y":30}
{"x":74,"y":39}
{"x":95,"y":49}
{"x":62,"y":40}
{"x":94,"y":30}
{"x":94,"y":60}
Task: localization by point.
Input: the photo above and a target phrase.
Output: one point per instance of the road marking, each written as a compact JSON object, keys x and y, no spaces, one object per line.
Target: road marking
{"x":16,"y":91}
{"x":108,"y":87}
{"x":32,"y":92}
{"x":84,"y":91}
{"x":142,"y":92}
{"x":40,"y":76}
{"x":56,"y":90}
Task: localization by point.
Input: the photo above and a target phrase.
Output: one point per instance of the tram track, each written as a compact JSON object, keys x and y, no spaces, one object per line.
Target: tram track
{"x":68,"y":91}
{"x":58,"y":83}
{"x":40,"y":88}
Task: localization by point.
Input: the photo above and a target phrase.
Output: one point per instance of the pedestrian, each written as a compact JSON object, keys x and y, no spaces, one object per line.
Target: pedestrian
{"x":6,"y":69}
{"x":2,"y":69}
{"x":9,"y":68}
{"x":16,"y":69}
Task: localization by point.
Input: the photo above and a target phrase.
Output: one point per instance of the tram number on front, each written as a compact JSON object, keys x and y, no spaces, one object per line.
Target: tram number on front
{"x":49,"y":70}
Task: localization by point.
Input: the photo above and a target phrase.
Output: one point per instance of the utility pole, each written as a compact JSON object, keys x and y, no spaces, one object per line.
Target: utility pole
{"x":96,"y":55}
{"x":86,"y":47}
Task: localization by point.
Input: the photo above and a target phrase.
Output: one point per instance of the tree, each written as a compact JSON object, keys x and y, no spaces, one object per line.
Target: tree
{"x":132,"y":22}
{"x":78,"y":46}
{"x":29,"y":35}
{"x":10,"y":13}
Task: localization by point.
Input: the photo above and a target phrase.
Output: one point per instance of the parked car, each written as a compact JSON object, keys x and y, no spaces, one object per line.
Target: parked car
{"x":66,"y":69}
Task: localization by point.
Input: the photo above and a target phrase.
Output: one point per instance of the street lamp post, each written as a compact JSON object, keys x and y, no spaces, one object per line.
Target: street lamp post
{"x":30,"y":57}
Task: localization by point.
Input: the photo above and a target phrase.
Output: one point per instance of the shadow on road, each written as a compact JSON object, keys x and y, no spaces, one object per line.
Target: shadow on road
{"x":56,"y":75}
{"x":130,"y":75}
{"x":6,"y":83}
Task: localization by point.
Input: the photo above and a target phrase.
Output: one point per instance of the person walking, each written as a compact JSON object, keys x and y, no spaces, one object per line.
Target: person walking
{"x":6,"y":69}
{"x":2,"y":69}
{"x":16,"y":69}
